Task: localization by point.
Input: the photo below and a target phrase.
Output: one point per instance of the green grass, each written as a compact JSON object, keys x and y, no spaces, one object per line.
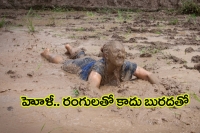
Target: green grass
{"x":196,"y":97}
{"x":80,"y":29}
{"x":2,"y":22}
{"x":123,"y":15}
{"x":120,"y":17}
{"x":75,"y":92}
{"x":52,"y":21}
{"x":192,"y":19}
{"x":158,"y":32}
{"x":90,"y":14}
{"x":39,"y":65}
{"x":30,"y":25}
{"x":29,"y":18}
{"x":42,"y":127}
{"x":173,"y":21}
{"x":138,"y":10}
{"x":32,"y":13}
{"x":190,"y":7}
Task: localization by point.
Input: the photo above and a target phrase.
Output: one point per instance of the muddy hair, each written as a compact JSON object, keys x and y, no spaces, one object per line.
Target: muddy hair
{"x":105,"y":50}
{"x":106,"y":47}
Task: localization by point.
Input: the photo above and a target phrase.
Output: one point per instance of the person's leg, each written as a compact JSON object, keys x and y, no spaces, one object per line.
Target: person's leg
{"x":75,"y":52}
{"x":51,"y":58}
{"x":69,"y":49}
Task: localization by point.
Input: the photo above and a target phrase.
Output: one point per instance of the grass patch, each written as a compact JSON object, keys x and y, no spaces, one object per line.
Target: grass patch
{"x":75,"y":92}
{"x":90,"y":14}
{"x":51,"y":21}
{"x":2,"y":22}
{"x":191,"y":19}
{"x":123,"y":15}
{"x":173,"y":21}
{"x":158,"y":32}
{"x":190,"y":7}
{"x":30,"y":25}
{"x":29,"y":17}
{"x":120,"y":17}
{"x":38,"y":67}
{"x":196,"y":97}
{"x":80,"y":29}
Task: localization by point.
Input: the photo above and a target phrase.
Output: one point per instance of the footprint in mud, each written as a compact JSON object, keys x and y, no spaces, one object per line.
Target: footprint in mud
{"x":171,"y":87}
{"x":195,"y":59}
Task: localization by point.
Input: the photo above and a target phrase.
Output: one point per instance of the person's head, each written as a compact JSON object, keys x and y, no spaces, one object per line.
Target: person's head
{"x":114,"y":53}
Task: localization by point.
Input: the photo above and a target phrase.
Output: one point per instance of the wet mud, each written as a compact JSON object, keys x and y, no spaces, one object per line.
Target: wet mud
{"x":195,"y":59}
{"x":169,"y":50}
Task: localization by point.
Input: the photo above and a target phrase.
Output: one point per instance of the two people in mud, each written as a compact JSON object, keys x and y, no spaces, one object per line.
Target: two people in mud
{"x":111,"y":69}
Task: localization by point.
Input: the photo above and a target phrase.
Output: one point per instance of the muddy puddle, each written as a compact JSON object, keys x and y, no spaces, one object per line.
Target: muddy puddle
{"x":152,"y":40}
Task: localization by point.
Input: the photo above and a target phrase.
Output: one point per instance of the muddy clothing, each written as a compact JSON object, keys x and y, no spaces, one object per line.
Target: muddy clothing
{"x":83,"y":67}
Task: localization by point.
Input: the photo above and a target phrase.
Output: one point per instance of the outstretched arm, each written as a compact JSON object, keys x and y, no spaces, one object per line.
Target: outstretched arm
{"x":94,"y":79}
{"x":145,"y":75}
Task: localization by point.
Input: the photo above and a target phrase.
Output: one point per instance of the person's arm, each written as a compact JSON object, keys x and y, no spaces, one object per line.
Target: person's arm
{"x":94,"y":80}
{"x":145,"y":75}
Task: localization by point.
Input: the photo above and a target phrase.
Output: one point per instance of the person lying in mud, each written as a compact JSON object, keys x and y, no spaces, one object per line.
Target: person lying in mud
{"x":111,"y":69}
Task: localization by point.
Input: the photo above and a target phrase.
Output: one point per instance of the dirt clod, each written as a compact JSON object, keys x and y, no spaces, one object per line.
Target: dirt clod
{"x":146,"y":55}
{"x":10,"y":72}
{"x":196,"y":59}
{"x":189,"y":50}
{"x":197,"y":67}
{"x":176,"y":59}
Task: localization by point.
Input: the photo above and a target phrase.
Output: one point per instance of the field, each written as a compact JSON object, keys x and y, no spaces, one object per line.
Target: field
{"x":165,"y":42}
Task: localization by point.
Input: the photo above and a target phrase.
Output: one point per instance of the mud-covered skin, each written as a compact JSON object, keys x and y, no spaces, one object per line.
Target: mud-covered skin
{"x":114,"y":54}
{"x":52,"y":58}
{"x":47,"y":78}
{"x":83,"y":67}
{"x":125,"y":72}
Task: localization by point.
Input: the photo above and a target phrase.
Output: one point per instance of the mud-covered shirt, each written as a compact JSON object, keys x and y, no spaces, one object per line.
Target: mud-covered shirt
{"x":127,"y":70}
{"x":83,"y":67}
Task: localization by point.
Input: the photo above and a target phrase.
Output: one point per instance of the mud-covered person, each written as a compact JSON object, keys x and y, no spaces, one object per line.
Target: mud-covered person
{"x":111,"y":69}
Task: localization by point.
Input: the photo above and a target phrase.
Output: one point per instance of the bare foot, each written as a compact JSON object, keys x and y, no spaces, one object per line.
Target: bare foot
{"x":45,"y":52}
{"x":68,"y":48}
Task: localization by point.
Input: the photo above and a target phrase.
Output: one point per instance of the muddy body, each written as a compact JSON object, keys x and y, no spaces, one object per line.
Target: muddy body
{"x":25,"y":73}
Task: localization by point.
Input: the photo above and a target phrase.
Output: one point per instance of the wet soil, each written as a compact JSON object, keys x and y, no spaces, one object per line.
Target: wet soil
{"x":196,"y":59}
{"x":25,"y":73}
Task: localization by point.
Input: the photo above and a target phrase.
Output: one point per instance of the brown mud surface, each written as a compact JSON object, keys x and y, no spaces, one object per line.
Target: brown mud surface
{"x":156,"y":34}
